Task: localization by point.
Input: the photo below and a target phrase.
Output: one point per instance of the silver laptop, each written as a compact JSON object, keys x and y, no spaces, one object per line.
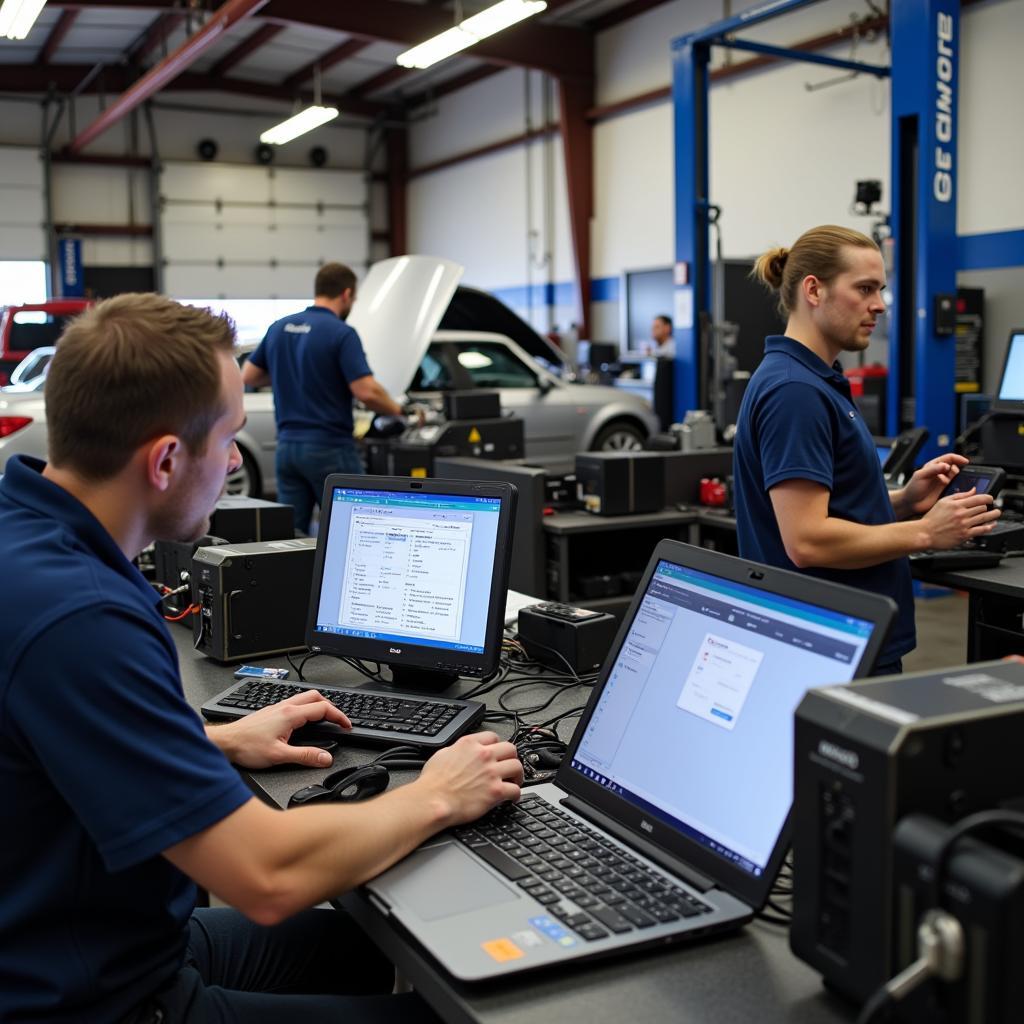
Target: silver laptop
{"x":669,"y":817}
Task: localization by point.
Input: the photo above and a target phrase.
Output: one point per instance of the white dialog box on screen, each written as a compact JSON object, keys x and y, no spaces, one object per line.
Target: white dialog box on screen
{"x":719,"y":680}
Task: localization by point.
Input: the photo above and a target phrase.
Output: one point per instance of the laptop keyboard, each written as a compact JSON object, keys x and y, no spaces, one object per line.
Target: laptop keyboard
{"x":375,"y":715}
{"x":580,"y":877}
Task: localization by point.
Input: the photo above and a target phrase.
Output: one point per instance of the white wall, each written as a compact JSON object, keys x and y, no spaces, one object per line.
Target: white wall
{"x":504,"y":216}
{"x":22,"y":211}
{"x":990,"y":144}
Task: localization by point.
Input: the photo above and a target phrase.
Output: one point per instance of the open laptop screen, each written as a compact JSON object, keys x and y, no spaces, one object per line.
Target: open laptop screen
{"x":694,"y":725}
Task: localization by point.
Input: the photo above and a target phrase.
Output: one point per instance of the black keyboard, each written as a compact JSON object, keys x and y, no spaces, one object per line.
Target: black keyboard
{"x":956,"y":560}
{"x":377,"y":716}
{"x":575,"y":872}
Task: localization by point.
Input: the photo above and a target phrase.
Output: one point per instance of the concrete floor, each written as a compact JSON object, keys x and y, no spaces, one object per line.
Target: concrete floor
{"x":941,"y":633}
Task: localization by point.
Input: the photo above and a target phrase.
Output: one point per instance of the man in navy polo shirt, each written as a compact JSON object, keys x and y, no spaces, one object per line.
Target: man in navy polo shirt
{"x":808,"y":485}
{"x":315,"y":364}
{"x":116,"y":798}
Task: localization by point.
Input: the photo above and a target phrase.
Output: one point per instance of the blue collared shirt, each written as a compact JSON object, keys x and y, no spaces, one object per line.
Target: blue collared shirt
{"x":799,"y":422}
{"x":103,"y":766}
{"x":312,"y":357}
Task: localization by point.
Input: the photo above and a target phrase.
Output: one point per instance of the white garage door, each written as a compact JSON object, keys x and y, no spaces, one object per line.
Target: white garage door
{"x":233,"y":231}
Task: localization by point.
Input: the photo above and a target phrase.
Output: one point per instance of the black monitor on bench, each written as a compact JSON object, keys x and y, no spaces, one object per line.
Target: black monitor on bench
{"x":413,"y":573}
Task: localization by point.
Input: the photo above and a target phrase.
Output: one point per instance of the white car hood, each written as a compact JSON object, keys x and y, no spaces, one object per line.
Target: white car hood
{"x":397,"y":309}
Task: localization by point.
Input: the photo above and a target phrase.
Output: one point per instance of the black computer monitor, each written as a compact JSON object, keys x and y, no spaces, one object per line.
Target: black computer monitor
{"x":1010,"y":396}
{"x":413,"y":573}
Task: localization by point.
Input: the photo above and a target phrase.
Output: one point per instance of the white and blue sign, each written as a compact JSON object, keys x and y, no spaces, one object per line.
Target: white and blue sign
{"x":69,"y":254}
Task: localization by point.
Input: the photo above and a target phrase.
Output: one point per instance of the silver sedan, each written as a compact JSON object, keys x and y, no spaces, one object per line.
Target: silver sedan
{"x":559,"y":418}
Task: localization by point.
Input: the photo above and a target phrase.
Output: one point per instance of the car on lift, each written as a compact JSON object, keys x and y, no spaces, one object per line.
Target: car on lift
{"x":429,"y":337}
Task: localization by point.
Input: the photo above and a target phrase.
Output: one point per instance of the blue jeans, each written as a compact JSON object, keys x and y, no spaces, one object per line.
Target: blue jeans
{"x":303,"y":466}
{"x":316,"y":967}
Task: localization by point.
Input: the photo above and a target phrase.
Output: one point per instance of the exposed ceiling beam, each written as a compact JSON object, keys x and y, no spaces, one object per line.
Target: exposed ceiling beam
{"x":21,"y":78}
{"x":56,"y":36}
{"x":346,"y":104}
{"x":347,"y":49}
{"x":160,"y":28}
{"x":384,"y":78}
{"x":168,"y":69}
{"x":557,"y":49}
{"x":450,"y":85}
{"x":247,"y":46}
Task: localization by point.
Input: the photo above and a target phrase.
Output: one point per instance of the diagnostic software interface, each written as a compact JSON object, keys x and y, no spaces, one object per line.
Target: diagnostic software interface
{"x":409,"y":567}
{"x":695,"y":722}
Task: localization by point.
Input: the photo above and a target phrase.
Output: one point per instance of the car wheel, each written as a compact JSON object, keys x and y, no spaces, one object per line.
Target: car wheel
{"x":619,"y":436}
{"x":245,"y":481}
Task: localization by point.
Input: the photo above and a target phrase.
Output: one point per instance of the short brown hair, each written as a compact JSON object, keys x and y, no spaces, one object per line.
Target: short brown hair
{"x":332,"y":279}
{"x":128,"y":370}
{"x":818,"y":252}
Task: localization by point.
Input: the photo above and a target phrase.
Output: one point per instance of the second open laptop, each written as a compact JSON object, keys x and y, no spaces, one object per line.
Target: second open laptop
{"x":669,"y":817}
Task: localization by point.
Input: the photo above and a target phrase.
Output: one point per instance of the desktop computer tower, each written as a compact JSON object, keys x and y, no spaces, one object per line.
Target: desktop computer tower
{"x":253,"y":598}
{"x":944,"y":744}
{"x":242,"y":520}
{"x":620,"y":483}
{"x":236,"y":520}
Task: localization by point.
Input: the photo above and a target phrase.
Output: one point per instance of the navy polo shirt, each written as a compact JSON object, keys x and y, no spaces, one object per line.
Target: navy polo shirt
{"x":103,"y":765}
{"x":798,"y":422}
{"x":312,"y":357}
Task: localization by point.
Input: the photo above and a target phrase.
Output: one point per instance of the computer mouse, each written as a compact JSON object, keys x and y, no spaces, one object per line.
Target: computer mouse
{"x":318,"y":734}
{"x":346,"y":786}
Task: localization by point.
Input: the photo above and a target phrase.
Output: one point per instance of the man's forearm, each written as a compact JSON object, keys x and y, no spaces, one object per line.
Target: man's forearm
{"x":835,"y":543}
{"x":380,"y":401}
{"x":298,"y":859}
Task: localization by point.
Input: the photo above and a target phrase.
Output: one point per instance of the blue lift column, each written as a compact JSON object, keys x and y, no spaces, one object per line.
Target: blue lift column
{"x":691,"y":58}
{"x":925,"y":37}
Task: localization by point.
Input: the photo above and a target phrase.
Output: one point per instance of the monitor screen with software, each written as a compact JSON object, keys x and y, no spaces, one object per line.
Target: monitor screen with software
{"x":1010,"y":395}
{"x":412,"y":573}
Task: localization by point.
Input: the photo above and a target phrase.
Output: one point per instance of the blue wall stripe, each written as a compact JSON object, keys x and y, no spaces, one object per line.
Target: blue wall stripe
{"x":995,"y":249}
{"x":974,"y":252}
{"x":604,"y":289}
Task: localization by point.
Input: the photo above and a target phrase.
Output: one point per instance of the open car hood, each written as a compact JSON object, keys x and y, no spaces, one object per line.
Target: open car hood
{"x":397,"y":309}
{"x":474,"y":310}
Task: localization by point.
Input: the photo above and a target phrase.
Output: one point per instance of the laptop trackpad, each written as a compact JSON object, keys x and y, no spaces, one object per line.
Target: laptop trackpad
{"x":441,"y":881}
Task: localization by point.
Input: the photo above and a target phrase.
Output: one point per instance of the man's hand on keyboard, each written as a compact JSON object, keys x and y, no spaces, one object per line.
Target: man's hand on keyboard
{"x":959,"y":517}
{"x":260,"y":740}
{"x":471,"y":776}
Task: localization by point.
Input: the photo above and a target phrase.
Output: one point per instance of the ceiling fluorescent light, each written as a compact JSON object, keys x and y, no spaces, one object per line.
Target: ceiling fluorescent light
{"x":304,"y":121}
{"x":18,"y":16}
{"x":490,"y":20}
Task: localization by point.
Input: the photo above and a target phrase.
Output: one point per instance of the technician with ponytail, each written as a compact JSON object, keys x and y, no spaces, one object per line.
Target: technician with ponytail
{"x":809,"y":489}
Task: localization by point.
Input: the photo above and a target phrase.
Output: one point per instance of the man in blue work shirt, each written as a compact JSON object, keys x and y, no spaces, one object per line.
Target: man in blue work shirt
{"x":116,"y":799}
{"x":808,"y":485}
{"x":315,"y":364}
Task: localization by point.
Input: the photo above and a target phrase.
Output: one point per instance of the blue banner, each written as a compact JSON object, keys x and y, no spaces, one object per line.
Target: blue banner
{"x":69,"y":253}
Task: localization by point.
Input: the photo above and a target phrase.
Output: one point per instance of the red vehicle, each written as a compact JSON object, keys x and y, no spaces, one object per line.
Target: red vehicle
{"x":24,"y":328}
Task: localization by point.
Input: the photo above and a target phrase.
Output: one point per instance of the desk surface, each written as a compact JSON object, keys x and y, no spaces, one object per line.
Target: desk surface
{"x":585,"y":522}
{"x":1005,"y":579}
{"x":744,"y":977}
